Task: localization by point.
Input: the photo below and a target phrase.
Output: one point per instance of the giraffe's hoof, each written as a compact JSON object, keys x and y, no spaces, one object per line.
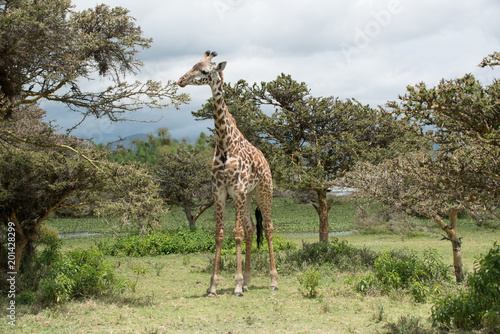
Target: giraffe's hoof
{"x":238,"y":294}
{"x":274,"y":288}
{"x":211,"y":294}
{"x":245,"y":289}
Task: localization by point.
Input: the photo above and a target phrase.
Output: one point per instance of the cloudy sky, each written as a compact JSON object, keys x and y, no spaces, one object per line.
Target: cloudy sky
{"x":365,"y":49}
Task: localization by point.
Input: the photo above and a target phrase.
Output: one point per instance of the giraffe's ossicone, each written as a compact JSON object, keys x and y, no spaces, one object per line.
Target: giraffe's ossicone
{"x":239,"y":170}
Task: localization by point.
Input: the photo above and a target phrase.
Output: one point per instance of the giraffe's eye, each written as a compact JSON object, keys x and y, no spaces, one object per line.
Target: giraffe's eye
{"x":204,"y":72}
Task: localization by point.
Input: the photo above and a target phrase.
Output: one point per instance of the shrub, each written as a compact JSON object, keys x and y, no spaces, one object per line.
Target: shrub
{"x":47,"y":234}
{"x":362,"y":283}
{"x":419,"y":291}
{"x":477,"y":305}
{"x":25,"y":297}
{"x":78,"y":273}
{"x":309,"y":282}
{"x":158,"y":243}
{"x":395,"y":270}
{"x":182,"y":241}
{"x":405,"y":271}
{"x":336,"y":252}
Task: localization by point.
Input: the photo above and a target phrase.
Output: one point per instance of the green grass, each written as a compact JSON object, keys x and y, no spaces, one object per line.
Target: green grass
{"x":174,"y":302}
{"x":288,"y":217}
{"x":80,"y":225}
{"x":170,"y":297}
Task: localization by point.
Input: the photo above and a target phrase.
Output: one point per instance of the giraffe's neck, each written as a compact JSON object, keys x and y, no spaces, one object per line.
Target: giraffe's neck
{"x":225,"y":125}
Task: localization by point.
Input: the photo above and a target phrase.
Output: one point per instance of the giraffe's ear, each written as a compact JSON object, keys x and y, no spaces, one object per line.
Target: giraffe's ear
{"x":221,"y":66}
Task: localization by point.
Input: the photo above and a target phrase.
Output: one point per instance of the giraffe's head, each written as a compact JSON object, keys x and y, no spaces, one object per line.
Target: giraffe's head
{"x":204,"y":72}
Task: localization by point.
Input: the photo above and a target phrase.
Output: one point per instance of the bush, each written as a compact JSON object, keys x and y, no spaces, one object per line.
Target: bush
{"x":363,"y":283}
{"x":405,"y":271}
{"x":338,"y":253}
{"x":47,"y":234}
{"x":477,"y":305}
{"x":309,"y":282}
{"x":177,"y":242}
{"x":399,"y":270}
{"x":158,"y":243}
{"x":77,"y":273}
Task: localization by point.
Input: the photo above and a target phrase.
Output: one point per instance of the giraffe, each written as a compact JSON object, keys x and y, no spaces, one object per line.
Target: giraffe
{"x":239,"y":170}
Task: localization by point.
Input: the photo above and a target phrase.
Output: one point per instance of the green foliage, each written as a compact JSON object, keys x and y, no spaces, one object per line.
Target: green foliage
{"x":419,"y":291}
{"x":76,"y":273}
{"x":338,"y":253}
{"x":401,"y":270}
{"x":185,"y":179}
{"x":311,"y":141}
{"x":26,"y":297}
{"x":158,"y":243}
{"x":405,"y":271}
{"x":363,"y":283}
{"x":101,"y":41}
{"x":309,"y":282}
{"x":41,"y":171}
{"x":476,"y":305}
{"x":182,"y":241}
{"x":151,"y":150}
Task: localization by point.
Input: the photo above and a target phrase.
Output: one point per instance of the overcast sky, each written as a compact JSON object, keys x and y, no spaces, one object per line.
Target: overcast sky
{"x":368,"y":50}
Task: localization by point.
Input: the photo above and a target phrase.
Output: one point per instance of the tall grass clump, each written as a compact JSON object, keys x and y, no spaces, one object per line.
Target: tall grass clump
{"x":476,"y":305}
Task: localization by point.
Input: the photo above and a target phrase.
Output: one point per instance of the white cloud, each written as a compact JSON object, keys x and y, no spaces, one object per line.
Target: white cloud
{"x":370,"y":50}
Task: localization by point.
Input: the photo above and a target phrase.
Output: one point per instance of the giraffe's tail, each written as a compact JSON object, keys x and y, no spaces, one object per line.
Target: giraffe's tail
{"x":260,"y":228}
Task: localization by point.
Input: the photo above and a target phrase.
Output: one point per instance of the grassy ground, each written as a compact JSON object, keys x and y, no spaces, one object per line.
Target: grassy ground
{"x":170,"y":297}
{"x":174,"y":302}
{"x":287,"y":217}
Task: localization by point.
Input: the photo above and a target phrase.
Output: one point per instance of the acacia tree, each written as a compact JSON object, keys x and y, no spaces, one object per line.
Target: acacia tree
{"x":462,"y":172}
{"x":419,"y":183}
{"x":310,"y":141}
{"x":47,"y":52}
{"x":47,"y":49}
{"x":41,"y":175}
{"x":184,"y":180}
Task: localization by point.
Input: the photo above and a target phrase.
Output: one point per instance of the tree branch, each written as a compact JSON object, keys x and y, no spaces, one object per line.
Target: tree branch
{"x":67,"y":147}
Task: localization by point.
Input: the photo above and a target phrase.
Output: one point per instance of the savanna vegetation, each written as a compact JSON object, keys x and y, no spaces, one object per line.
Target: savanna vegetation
{"x":379,"y":279}
{"x":419,"y":166}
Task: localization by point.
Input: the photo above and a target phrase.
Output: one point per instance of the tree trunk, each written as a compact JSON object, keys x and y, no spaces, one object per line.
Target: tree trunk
{"x":21,"y":242}
{"x":322,"y":209}
{"x":189,"y":216}
{"x":20,"y":245}
{"x":451,"y":231}
{"x":456,"y":244}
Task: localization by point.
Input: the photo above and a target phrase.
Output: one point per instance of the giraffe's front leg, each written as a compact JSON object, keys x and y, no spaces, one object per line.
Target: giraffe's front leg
{"x":220,"y":207}
{"x":248,"y":261}
{"x":214,"y":280}
{"x":238,"y":240}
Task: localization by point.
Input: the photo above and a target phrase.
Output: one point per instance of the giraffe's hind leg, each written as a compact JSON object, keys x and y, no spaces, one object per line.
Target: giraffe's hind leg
{"x":249,"y":232}
{"x":264,"y":200}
